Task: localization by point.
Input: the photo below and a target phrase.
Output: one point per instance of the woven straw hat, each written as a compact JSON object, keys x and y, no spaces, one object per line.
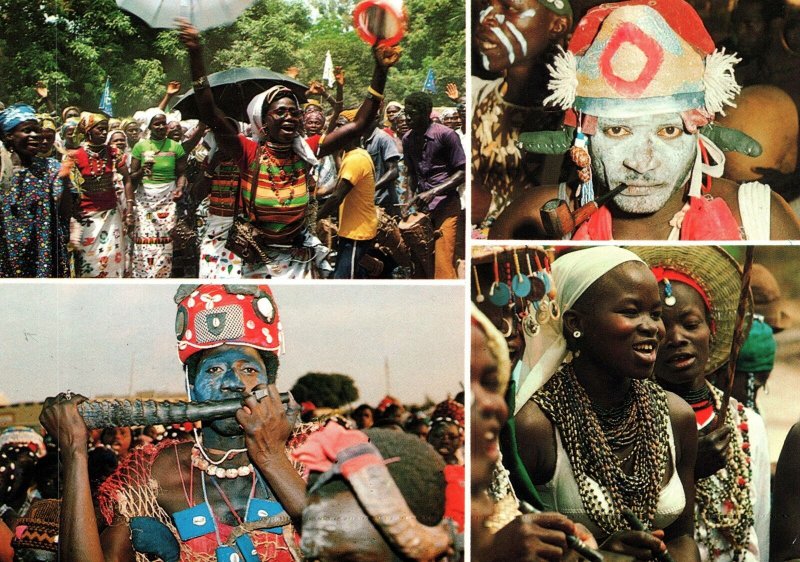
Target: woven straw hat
{"x":720,"y":276}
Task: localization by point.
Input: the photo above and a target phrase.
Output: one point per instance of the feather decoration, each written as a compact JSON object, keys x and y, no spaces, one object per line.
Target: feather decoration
{"x":563,"y":80}
{"x":720,"y":83}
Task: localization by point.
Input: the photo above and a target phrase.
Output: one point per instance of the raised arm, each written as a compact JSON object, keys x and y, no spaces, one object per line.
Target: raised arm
{"x":79,"y":538}
{"x":385,"y":58}
{"x":172,"y":89}
{"x":225,"y":132}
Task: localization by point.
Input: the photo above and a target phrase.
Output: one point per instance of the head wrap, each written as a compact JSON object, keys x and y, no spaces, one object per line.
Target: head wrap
{"x":386,"y":120}
{"x":38,"y":528}
{"x":758,"y":352}
{"x":348,"y":114}
{"x":497,"y":347}
{"x":71,"y":122}
{"x":66,"y":110}
{"x":15,"y":114}
{"x":716,"y":277}
{"x":151,"y":114}
{"x":23,"y":436}
{"x":573,"y":274}
{"x":449,"y":112}
{"x":666,"y":274}
{"x":255,"y":109}
{"x":173,"y":116}
{"x":255,"y":113}
{"x":87,"y":122}
{"x":140,"y":117}
{"x":642,"y":57}
{"x":47,"y":122}
{"x":212,"y":315}
{"x":448,"y":411}
{"x":312,"y":105}
{"x":115,"y":131}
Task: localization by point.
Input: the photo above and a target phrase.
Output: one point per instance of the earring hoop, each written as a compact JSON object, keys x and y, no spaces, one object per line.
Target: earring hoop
{"x":576,"y":334}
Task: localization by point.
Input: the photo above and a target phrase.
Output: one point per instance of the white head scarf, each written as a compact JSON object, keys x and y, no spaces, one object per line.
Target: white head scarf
{"x":573,"y":273}
{"x":255,"y":111}
{"x":151,"y":114}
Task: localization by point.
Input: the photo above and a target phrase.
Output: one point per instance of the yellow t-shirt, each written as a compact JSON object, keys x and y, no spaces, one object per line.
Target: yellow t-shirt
{"x":358,"y":217}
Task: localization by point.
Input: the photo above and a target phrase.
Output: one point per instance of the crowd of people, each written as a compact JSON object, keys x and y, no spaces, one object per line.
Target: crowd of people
{"x":270,"y":480}
{"x":619,"y":121}
{"x":296,"y":192}
{"x":615,"y":417}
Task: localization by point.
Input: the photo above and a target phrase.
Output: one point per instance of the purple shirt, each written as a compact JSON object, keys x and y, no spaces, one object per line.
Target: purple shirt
{"x":432,"y":158}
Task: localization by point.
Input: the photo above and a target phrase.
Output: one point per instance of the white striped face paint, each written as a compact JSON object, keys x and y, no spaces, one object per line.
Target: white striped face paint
{"x":510,"y":28}
{"x":523,"y":44}
{"x":505,"y":42}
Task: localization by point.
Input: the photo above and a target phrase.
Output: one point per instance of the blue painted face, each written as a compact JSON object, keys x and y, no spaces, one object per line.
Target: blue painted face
{"x":227,"y":371}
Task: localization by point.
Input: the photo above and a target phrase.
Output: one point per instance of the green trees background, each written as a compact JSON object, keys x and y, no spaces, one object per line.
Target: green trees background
{"x":72,"y":45}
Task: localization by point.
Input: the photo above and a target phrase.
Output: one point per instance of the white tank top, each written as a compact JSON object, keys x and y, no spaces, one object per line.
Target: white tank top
{"x":561,"y":493}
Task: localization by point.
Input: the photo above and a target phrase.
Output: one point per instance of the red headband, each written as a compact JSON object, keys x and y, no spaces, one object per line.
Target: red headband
{"x":662,"y":273}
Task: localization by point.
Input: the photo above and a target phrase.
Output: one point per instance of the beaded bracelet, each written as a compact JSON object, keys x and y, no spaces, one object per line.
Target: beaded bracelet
{"x":200,"y":83}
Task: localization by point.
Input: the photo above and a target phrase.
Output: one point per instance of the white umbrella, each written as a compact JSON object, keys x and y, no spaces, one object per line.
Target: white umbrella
{"x":203,"y":14}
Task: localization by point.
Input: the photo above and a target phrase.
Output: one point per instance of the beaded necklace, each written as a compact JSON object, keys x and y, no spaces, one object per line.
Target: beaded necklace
{"x":280,"y":175}
{"x":96,"y":160}
{"x":592,"y":457}
{"x":723,"y":500}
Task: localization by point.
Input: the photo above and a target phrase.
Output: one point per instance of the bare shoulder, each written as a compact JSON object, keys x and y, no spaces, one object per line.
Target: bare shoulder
{"x":536,"y":442}
{"x":521,"y":219}
{"x":680,"y":412}
{"x":684,"y":424}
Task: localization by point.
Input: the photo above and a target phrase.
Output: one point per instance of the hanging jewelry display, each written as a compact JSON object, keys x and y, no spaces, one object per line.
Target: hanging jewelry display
{"x":537,"y":286}
{"x":499,"y":293}
{"x":520,"y":284}
{"x":479,"y":298}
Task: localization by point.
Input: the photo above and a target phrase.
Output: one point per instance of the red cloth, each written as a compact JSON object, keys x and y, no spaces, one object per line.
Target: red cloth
{"x":709,"y":219}
{"x":103,"y":200}
{"x":320,"y":450}
{"x":706,"y":219}
{"x":313,"y":142}
{"x":662,"y":273}
{"x":454,"y":493}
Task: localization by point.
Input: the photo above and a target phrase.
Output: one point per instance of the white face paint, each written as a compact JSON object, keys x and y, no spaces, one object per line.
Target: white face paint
{"x":652,"y":154}
{"x":529,"y":13}
{"x":505,"y":42}
{"x":485,"y":13}
{"x":519,"y":37}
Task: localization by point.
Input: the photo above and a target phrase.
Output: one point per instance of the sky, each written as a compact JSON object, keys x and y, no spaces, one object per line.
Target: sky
{"x":102,"y":339}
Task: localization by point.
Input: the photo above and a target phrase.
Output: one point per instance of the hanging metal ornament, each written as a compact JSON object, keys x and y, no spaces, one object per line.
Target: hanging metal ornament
{"x":520,"y":284}
{"x":529,"y":324}
{"x":552,"y":294}
{"x":479,"y":298}
{"x":499,"y":293}
{"x":537,"y":287}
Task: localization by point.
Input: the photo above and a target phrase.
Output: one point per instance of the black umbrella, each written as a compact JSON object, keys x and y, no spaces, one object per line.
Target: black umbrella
{"x":234,"y":88}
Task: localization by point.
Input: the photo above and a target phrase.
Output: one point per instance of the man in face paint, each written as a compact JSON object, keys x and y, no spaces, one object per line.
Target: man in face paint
{"x":511,"y":37}
{"x":515,"y":32}
{"x":640,"y":85}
